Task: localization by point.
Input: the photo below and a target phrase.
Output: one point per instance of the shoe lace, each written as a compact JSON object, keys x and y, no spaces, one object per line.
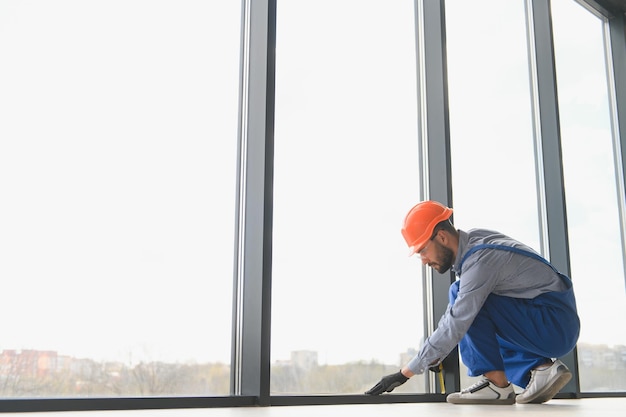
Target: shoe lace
{"x":476,"y":385}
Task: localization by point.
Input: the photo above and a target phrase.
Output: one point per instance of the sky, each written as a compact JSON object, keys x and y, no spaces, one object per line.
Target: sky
{"x":118,"y":140}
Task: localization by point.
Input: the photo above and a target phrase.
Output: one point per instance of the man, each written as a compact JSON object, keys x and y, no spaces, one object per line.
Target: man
{"x":510,"y":312}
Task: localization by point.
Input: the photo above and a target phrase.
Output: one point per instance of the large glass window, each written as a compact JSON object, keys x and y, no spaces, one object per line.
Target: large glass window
{"x":347,"y":300}
{"x":591,"y":195}
{"x":493,"y":168}
{"x":118,"y":130}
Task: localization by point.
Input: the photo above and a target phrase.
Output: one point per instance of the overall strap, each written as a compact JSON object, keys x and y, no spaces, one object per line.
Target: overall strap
{"x":509,"y":249}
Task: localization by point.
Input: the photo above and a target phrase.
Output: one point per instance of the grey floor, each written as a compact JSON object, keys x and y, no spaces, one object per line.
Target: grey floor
{"x":596,"y":407}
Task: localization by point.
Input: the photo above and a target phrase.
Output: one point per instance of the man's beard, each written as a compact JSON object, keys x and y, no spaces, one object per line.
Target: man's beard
{"x":446,"y":259}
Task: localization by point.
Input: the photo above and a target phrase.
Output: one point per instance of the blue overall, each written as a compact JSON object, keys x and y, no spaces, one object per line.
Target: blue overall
{"x":517,"y":334}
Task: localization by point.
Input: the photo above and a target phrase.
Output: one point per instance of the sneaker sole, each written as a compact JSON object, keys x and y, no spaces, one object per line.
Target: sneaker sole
{"x":500,"y":401}
{"x":548,"y":392}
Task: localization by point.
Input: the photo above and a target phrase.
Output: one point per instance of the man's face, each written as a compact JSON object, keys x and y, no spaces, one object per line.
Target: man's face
{"x":437,"y":256}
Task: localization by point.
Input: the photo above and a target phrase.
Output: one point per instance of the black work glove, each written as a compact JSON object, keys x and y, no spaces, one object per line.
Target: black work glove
{"x":387,"y":384}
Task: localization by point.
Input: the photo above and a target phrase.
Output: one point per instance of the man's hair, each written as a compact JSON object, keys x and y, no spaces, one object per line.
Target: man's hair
{"x":445,"y":225}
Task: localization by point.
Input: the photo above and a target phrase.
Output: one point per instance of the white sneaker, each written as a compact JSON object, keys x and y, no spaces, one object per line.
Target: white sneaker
{"x":545,"y":384}
{"x":484,"y":392}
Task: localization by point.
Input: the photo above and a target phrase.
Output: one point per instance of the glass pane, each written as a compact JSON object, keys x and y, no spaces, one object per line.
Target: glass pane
{"x":347,"y":300}
{"x":118,"y":129}
{"x":493,"y":168}
{"x":591,"y":192}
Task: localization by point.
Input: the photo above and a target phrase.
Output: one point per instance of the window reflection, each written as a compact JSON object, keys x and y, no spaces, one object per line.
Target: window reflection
{"x":345,"y":304}
{"x":591,"y":197}
{"x":493,"y":168}
{"x":118,"y":127}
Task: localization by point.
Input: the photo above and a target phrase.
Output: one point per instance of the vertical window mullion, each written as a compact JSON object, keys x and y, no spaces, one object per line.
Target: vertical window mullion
{"x":616,"y":64}
{"x":251,"y":329}
{"x":548,"y":148}
{"x":435,"y":139}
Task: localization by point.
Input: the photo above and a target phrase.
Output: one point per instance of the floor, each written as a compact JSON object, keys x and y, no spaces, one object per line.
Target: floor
{"x":589,"y":407}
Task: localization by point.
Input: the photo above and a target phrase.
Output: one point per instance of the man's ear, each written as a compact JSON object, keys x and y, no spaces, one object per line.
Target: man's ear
{"x":444,"y":237}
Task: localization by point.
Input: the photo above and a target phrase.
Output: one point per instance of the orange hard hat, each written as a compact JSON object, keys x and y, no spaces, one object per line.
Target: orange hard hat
{"x":421,"y":221}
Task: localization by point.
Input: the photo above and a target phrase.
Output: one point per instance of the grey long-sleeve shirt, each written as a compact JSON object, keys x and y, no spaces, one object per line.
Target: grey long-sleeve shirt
{"x":484,"y":272}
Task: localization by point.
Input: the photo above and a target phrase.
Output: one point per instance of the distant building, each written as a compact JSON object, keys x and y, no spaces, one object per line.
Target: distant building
{"x":304,"y":359}
{"x":405,"y":357}
{"x":30,"y":363}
